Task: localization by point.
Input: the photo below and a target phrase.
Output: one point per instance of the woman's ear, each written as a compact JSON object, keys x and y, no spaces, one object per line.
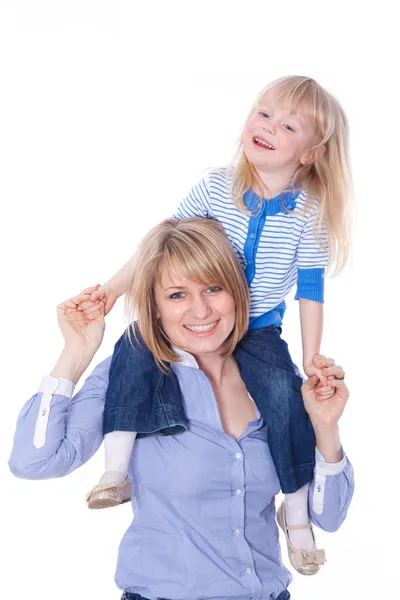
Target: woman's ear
{"x":309,"y":158}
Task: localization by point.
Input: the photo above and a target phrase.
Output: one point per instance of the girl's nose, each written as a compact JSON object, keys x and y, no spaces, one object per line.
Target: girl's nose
{"x":271,"y":127}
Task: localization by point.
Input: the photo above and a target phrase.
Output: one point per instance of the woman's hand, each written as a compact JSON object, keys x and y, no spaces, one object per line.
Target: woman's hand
{"x":323,"y":407}
{"x":83,"y":332}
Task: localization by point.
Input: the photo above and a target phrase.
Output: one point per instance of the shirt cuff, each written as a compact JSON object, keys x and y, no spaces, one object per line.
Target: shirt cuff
{"x":56,"y":385}
{"x":310,"y":284}
{"x":321,"y":471}
{"x":48,"y":387}
{"x":324,"y":468}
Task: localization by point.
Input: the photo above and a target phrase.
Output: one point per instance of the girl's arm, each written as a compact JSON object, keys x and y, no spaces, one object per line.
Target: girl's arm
{"x":311,"y":321}
{"x":312,"y":258}
{"x":196,"y":204}
{"x":115,"y":287}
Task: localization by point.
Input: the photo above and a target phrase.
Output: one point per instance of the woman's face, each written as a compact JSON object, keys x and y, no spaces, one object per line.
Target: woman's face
{"x":196,"y":317}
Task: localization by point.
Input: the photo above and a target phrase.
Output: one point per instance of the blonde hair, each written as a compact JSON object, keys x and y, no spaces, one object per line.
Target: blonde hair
{"x":201,"y":251}
{"x":328,"y":179}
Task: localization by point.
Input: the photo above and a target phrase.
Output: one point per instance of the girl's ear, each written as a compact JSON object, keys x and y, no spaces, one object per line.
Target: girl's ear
{"x":309,"y":158}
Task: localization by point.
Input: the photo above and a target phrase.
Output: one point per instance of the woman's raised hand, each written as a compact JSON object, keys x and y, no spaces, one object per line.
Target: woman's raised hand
{"x":81,"y":330}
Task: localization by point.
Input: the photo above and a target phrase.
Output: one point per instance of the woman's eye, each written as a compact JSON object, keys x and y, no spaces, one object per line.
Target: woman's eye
{"x":289,"y":128}
{"x":213,"y":289}
{"x":177,"y":295}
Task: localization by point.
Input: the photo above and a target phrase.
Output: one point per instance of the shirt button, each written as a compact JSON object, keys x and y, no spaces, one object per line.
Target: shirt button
{"x":238,"y":492}
{"x":238,"y":455}
{"x":252,"y":235}
{"x":44,"y":412}
{"x":249,"y":571}
{"x":237,"y":531}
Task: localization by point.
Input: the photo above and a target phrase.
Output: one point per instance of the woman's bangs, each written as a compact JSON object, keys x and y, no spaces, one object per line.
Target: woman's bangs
{"x":200,"y":266}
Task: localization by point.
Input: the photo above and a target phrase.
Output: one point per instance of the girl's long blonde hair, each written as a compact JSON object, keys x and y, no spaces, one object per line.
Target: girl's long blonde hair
{"x":328,"y":179}
{"x":201,"y":251}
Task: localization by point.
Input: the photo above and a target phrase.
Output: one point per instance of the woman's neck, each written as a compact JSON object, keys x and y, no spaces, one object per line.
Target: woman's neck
{"x":215,"y":366}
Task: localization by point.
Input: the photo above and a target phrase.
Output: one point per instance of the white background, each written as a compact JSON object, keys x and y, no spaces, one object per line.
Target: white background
{"x":109,"y":113}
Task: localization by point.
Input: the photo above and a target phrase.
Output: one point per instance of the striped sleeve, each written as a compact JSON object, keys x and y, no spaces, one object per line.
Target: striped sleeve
{"x":196,"y":203}
{"x":311,"y":261}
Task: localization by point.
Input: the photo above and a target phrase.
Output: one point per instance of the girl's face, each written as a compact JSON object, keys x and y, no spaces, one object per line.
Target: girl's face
{"x":196,"y":317}
{"x":275,"y":140}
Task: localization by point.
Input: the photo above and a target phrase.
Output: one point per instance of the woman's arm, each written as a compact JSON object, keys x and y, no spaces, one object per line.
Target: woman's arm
{"x":332,"y":486}
{"x":330,"y":492}
{"x":55,"y":434}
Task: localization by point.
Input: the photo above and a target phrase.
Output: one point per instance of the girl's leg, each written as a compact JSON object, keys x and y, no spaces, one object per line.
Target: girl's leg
{"x":274,"y":383}
{"x":296,"y":506}
{"x":118,"y":449}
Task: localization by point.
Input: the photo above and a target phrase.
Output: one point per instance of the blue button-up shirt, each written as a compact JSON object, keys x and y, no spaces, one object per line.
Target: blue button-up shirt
{"x":204,"y":511}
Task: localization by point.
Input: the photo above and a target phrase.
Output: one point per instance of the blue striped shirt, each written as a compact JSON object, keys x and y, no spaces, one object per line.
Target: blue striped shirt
{"x":276,"y":246}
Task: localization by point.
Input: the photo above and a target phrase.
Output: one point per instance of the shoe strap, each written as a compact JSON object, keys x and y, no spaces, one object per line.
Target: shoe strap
{"x":113,"y":473}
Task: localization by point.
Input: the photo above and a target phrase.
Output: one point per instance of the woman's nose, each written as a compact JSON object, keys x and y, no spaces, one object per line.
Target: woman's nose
{"x":200,"y":307}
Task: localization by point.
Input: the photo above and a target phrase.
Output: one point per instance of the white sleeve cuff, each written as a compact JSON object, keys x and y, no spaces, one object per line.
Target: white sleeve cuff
{"x":56,"y":385}
{"x":48,"y":387}
{"x":321,"y":471}
{"x":325,"y":468}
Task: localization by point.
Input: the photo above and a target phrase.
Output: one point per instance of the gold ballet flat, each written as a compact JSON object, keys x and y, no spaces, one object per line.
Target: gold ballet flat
{"x":106,"y":495}
{"x":306,"y":563}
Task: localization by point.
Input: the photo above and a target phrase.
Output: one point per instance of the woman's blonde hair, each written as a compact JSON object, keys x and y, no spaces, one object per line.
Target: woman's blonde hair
{"x":201,"y":251}
{"x":328,"y":179}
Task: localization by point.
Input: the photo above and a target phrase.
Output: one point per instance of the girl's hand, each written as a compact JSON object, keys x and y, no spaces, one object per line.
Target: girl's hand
{"x":102,"y":293}
{"x":323,"y":408}
{"x":81,"y":330}
{"x":315,"y":367}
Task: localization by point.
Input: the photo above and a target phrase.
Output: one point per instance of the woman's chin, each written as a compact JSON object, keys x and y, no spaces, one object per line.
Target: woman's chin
{"x":197,"y":344}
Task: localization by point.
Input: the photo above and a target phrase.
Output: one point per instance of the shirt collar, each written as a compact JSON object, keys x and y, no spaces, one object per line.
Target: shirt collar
{"x":187,"y":360}
{"x":273,"y":206}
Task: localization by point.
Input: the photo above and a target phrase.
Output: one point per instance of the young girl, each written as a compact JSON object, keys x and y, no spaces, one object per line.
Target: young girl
{"x":283,"y":203}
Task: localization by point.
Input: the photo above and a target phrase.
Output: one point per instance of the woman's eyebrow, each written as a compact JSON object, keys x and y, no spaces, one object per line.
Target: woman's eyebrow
{"x":174,"y":287}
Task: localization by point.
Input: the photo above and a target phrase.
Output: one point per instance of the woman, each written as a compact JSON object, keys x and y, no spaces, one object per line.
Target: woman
{"x":204,"y":524}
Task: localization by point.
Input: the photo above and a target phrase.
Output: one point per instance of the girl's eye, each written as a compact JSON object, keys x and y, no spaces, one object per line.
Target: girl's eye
{"x":265,"y":115}
{"x":289,"y":128}
{"x":213,"y":289}
{"x":176,"y":295}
